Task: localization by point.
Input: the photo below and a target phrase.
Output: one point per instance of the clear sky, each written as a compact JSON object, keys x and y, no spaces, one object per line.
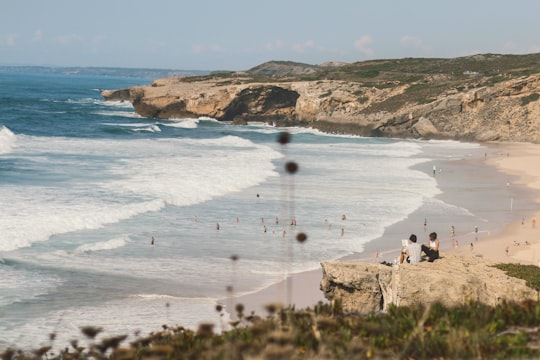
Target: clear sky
{"x":240,"y":34}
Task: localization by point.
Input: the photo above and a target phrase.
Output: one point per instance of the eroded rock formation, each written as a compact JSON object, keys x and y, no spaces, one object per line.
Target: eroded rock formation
{"x":451,"y":280}
{"x":507,"y":110}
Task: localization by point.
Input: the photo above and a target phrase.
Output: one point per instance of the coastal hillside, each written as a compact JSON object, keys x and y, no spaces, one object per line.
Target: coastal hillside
{"x":485,"y":97}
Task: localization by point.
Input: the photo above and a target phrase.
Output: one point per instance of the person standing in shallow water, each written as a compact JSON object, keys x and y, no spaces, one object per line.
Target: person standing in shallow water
{"x":432,"y":251}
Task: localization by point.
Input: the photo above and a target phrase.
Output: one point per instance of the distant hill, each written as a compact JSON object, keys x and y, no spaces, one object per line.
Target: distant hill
{"x":281,"y":68}
{"x":396,"y":69}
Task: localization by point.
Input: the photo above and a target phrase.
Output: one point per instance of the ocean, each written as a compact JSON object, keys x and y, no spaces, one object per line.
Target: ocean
{"x":85,"y":185}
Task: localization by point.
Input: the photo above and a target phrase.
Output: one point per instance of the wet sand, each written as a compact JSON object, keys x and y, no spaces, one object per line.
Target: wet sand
{"x":499,"y":188}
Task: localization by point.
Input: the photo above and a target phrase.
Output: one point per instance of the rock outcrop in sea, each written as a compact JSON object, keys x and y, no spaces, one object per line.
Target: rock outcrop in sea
{"x":497,"y":100}
{"x":451,"y":280}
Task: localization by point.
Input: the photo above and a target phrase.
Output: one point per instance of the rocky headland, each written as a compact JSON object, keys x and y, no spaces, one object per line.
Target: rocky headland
{"x":477,"y":98}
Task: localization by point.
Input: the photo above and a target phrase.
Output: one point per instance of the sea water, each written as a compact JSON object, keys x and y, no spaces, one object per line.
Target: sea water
{"x":85,"y":185}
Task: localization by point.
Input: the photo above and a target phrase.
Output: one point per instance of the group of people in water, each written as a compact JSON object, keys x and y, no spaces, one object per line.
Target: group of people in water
{"x":412,"y":252}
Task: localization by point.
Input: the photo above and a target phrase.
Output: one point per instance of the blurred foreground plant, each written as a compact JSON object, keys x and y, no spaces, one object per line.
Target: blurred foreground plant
{"x":473,"y":330}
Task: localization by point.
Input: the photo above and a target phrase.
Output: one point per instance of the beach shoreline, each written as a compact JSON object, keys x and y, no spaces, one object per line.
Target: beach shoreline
{"x":507,"y":205}
{"x":519,"y":241}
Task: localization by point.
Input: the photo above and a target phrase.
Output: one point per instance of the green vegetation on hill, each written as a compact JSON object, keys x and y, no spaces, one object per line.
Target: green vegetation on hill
{"x":529,"y":273}
{"x":425,"y":79}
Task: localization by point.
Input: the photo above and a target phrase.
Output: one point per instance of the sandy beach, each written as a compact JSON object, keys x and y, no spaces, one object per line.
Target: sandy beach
{"x":519,"y":241}
{"x":509,"y":235}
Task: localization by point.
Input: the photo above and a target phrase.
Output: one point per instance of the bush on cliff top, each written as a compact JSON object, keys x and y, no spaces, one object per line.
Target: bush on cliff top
{"x":529,"y":273}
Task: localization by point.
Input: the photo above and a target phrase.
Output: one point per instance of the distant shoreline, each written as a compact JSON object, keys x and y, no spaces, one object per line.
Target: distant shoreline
{"x":147,"y":73}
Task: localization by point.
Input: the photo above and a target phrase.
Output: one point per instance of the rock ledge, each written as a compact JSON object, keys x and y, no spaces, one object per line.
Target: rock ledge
{"x":451,"y":280}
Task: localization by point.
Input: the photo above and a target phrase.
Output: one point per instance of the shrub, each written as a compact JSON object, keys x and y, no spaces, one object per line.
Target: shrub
{"x":529,"y":98}
{"x":529,"y":273}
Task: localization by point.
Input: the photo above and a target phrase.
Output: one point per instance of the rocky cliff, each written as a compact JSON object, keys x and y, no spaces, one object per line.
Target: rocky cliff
{"x":396,"y":102}
{"x":451,"y":280}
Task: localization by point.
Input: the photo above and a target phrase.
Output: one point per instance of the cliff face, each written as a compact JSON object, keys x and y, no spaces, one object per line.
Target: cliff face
{"x":451,"y":280}
{"x":506,"y":110}
{"x":240,"y":102}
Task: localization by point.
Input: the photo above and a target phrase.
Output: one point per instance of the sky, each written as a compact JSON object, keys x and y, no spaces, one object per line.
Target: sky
{"x":240,"y":34}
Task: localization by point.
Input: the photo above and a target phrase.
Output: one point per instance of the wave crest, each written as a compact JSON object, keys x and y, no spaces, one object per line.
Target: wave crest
{"x":7,"y":140}
{"x":104,"y":245}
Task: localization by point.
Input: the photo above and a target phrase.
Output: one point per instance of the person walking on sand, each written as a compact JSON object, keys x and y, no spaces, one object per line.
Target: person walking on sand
{"x":152,"y":241}
{"x":432,"y":251}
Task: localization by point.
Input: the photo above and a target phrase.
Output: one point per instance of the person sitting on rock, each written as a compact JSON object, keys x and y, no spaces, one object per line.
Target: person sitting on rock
{"x":432,"y":251}
{"x":412,"y":252}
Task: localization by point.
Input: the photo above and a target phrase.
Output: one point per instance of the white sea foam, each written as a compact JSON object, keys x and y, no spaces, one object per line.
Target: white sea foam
{"x":126,"y":124}
{"x":145,"y":175}
{"x":104,"y":245}
{"x":450,"y":150}
{"x":82,"y":101}
{"x":165,"y":296}
{"x":7,"y":140}
{"x":181,"y":123}
{"x":438,"y":207}
{"x":118,"y":104}
{"x":117,"y":317}
{"x":266,"y":128}
{"x":151,"y":128}
{"x":55,"y":211}
{"x":128,"y":114}
{"x":206,"y":118}
{"x":185,"y":179}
